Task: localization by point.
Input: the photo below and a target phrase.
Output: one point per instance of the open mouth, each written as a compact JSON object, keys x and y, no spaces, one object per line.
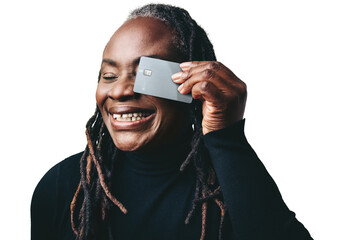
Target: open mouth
{"x":136,"y":116}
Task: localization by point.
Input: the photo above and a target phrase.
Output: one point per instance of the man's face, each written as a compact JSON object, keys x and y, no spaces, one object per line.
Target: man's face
{"x":136,"y":121}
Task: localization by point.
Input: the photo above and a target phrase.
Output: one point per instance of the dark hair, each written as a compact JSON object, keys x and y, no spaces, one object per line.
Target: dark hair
{"x":93,"y":198}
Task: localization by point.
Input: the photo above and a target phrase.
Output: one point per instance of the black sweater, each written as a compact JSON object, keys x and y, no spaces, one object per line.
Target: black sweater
{"x":158,"y":196}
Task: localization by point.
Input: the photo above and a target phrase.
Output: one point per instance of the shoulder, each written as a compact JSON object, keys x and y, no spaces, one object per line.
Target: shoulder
{"x":63,"y":177}
{"x":68,"y":169}
{"x":52,"y":197}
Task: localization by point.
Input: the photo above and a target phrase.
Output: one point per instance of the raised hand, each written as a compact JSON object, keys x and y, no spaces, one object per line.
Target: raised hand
{"x":223,"y":94}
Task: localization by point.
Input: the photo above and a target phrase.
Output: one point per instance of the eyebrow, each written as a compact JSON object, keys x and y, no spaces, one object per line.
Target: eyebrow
{"x":136,"y":61}
{"x":109,"y":61}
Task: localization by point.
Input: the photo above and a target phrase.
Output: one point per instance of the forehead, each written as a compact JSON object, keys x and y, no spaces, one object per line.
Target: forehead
{"x":141,"y":36}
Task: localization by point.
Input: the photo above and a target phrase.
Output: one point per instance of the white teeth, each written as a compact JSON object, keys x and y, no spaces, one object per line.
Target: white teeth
{"x":129,"y":116}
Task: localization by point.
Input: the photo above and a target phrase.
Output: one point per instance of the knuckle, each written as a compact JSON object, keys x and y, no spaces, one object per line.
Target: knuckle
{"x":243,"y":86}
{"x":205,"y":86}
{"x":242,"y":90}
{"x":186,"y":74}
{"x":189,"y":73}
{"x":186,"y":84}
{"x":208,"y":73}
{"x":214,"y":65}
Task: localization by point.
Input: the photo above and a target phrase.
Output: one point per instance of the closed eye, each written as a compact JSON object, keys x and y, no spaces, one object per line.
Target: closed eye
{"x":109,"y":76}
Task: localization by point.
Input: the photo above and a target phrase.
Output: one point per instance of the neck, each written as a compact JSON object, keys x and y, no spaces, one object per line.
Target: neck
{"x":165,"y":158}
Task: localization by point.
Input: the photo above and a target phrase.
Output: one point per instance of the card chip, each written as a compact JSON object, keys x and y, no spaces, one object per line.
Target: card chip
{"x":147,"y":72}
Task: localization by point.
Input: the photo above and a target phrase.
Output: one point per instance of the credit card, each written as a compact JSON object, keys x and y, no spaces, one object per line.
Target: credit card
{"x":153,"y":78}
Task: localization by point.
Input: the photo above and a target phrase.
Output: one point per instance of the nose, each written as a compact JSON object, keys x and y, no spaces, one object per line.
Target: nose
{"x":122,"y":89}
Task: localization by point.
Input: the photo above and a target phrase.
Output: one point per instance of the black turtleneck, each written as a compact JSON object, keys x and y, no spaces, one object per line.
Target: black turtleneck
{"x":158,"y":196}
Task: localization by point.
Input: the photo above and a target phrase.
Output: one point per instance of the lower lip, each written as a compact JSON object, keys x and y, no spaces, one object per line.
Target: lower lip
{"x":130,"y":125}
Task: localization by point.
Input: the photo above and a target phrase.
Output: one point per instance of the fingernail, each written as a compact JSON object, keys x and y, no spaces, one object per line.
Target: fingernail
{"x":180,"y":88}
{"x":185,"y":64}
{"x":176,"y":76}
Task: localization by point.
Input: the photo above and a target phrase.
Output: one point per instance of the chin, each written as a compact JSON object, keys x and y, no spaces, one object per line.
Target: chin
{"x":129,"y":144}
{"x":127,"y":147}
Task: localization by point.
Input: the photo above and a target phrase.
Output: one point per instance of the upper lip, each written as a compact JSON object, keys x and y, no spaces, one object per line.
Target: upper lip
{"x":128,"y":109}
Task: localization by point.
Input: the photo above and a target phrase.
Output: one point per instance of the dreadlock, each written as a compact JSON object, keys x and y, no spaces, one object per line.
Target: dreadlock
{"x":90,"y":218}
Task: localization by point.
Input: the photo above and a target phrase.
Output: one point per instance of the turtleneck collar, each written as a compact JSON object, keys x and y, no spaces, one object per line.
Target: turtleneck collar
{"x":162,"y":160}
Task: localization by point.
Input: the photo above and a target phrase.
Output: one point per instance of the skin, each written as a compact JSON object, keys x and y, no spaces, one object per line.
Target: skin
{"x":136,"y":38}
{"x":222,"y":93}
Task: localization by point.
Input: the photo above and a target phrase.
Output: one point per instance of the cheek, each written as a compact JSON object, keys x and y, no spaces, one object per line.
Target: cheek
{"x":170,"y":109}
{"x":173,"y":115}
{"x":101,"y":94}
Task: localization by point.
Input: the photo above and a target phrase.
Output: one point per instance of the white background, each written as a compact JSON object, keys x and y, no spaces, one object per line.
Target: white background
{"x":286,"y":52}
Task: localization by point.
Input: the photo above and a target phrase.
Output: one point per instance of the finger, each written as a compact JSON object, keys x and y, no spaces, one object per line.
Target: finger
{"x":209,"y":92}
{"x":178,"y":78}
{"x":223,"y":80}
{"x":198,"y":66}
{"x":187,"y":65}
{"x":206,"y":75}
{"x":188,"y":68}
{"x":208,"y":67}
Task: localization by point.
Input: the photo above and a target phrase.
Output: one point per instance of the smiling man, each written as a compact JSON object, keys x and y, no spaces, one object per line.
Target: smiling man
{"x":159,"y":169}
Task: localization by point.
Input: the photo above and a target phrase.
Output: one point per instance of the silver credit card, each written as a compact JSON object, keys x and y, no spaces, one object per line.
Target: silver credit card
{"x":154,"y":78}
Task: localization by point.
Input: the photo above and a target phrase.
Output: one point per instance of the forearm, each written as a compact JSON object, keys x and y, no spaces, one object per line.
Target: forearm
{"x":256,"y":208}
